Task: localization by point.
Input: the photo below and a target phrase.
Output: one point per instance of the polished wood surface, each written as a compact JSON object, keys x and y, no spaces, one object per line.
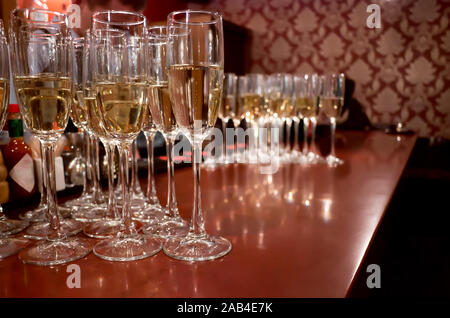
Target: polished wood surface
{"x":302,"y":232}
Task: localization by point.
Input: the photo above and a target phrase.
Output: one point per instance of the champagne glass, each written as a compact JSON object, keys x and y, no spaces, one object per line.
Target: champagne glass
{"x":19,"y":17}
{"x":8,"y":246}
{"x":332,"y":103}
{"x":251,"y":95}
{"x":277,"y":94}
{"x":195,"y":74}
{"x":161,"y":112}
{"x":42,"y":66}
{"x":43,"y":21}
{"x":121,"y":87}
{"x":92,"y":208}
{"x":240,"y":115}
{"x":314,"y":84}
{"x":298,"y":96}
{"x":304,"y":97}
{"x":228,"y":110}
{"x":110,"y":223}
{"x":287,"y":111}
{"x":152,"y":211}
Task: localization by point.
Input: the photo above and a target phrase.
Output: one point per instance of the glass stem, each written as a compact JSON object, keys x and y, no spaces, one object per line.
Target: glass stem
{"x":135,"y":169}
{"x":112,"y":213}
{"x":197,"y":226}
{"x":282,"y":144}
{"x":50,"y":182}
{"x":87,"y":189}
{"x":96,"y":171}
{"x":313,"y":134}
{"x":305,"y":135}
{"x":296,"y":122}
{"x":172,"y":205}
{"x":151,"y":188}
{"x":127,"y":228}
{"x":333,"y":131}
{"x":288,"y":134}
{"x":43,"y":187}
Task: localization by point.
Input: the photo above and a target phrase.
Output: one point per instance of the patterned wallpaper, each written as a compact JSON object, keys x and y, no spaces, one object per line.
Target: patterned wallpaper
{"x":402,"y":71}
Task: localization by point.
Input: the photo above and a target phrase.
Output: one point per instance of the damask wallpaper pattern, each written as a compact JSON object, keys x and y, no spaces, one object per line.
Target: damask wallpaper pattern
{"x":402,"y":70}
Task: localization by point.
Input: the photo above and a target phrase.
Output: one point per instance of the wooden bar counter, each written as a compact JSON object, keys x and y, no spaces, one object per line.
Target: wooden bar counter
{"x":302,"y":232}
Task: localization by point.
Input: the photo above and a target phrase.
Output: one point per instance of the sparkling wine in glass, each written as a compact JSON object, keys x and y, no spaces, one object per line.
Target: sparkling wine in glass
{"x":120,"y":79}
{"x":195,"y":76}
{"x":332,"y":103}
{"x":42,"y":64}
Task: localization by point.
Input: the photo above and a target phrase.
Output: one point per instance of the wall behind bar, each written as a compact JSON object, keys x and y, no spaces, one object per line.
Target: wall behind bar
{"x":402,"y":71}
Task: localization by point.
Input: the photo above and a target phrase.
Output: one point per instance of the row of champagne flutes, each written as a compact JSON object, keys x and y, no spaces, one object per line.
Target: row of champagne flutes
{"x":123,"y":77}
{"x":281,"y":101}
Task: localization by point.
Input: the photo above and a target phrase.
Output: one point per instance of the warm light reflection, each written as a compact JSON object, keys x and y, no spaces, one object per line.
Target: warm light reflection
{"x":290,"y":197}
{"x":326,"y":212}
{"x":307,"y":203}
{"x":261,"y":239}
{"x":100,"y":282}
{"x":218,"y":227}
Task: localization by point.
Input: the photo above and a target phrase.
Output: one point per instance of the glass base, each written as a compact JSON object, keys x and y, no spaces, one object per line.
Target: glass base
{"x":313,"y":158}
{"x":148,"y":213}
{"x":12,"y":246}
{"x":80,"y":202}
{"x":333,"y":161}
{"x":39,"y":231}
{"x":106,"y":228}
{"x":194,"y":249}
{"x":9,"y":226}
{"x":127,"y":249}
{"x":91,"y":214}
{"x":49,"y":253}
{"x":39,"y":214}
{"x":167,"y":228}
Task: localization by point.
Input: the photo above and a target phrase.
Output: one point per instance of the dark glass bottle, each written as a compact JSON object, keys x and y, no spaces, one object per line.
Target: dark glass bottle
{"x":18,"y":159}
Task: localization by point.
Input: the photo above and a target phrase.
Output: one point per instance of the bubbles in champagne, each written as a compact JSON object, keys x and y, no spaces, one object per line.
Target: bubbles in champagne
{"x":195,"y":93}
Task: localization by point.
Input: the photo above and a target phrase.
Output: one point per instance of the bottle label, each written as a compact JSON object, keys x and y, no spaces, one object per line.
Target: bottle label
{"x":23,"y":173}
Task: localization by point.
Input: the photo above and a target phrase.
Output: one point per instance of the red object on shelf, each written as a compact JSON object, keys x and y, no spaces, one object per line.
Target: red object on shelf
{"x":14,"y":108}
{"x":18,"y":159}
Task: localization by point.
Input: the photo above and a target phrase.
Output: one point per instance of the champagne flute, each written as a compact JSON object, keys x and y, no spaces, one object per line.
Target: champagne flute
{"x":41,"y":66}
{"x":86,"y":209}
{"x":110,"y":223}
{"x":287,"y":111}
{"x":195,"y":74}
{"x":251,"y":95}
{"x":228,"y":110}
{"x":43,"y":21}
{"x":332,"y":103}
{"x":277,"y":94}
{"x":152,"y":211}
{"x":304,"y":97}
{"x":121,"y":87}
{"x":161,"y":111}
{"x":19,"y":17}
{"x":8,"y":246}
{"x":314,"y":83}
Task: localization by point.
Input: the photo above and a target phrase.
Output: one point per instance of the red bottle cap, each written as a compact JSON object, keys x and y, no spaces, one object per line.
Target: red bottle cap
{"x":14,"y":108}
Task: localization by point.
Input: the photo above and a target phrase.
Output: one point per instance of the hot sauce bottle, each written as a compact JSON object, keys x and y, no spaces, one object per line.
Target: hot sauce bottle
{"x":18,"y":159}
